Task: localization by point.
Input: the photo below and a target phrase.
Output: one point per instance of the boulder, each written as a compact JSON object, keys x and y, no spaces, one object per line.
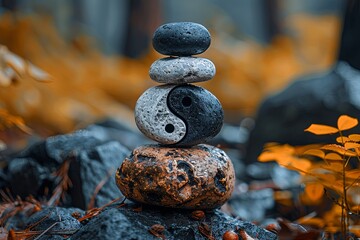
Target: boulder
{"x":319,"y":99}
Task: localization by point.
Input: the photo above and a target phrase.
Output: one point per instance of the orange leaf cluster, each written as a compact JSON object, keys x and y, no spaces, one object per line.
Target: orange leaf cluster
{"x":7,"y":121}
{"x":13,"y":69}
{"x":344,"y":123}
{"x":333,"y":173}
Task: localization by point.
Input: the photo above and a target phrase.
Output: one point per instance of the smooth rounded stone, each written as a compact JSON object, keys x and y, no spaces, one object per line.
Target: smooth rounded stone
{"x":179,"y":70}
{"x":182,"y":115}
{"x":181,"y":39}
{"x":201,"y":177}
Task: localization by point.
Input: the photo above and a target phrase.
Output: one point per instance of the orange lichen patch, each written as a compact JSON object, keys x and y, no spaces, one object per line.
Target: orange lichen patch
{"x":201,"y":177}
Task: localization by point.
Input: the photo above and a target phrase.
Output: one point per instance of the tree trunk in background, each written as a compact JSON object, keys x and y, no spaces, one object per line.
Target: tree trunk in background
{"x":350,"y":39}
{"x":271,"y":20}
{"x":9,"y":4}
{"x":144,"y":17}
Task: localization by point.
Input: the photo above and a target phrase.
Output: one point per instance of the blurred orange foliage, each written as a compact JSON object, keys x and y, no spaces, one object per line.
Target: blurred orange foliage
{"x":334,"y":175}
{"x":88,"y":85}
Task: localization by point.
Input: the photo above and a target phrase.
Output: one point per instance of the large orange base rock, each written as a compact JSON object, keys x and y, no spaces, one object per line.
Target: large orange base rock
{"x":200,"y":177}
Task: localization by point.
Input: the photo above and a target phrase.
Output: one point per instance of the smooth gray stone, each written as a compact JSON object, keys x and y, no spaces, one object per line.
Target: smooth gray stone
{"x":154,"y":118}
{"x":179,"y":70}
{"x":181,"y":39}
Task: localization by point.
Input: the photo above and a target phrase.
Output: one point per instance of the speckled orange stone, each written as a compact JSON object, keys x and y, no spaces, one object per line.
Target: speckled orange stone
{"x":200,"y":177}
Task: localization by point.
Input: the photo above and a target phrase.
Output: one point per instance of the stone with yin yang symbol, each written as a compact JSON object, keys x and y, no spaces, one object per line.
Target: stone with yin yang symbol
{"x":181,"y":115}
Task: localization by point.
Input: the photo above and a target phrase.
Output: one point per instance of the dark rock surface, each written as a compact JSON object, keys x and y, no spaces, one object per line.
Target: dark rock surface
{"x":252,"y":205}
{"x":60,"y":220}
{"x":129,"y":221}
{"x":94,"y":157}
{"x":90,"y":168}
{"x":27,"y":177}
{"x":93,"y":153}
{"x":200,"y":110}
{"x":320,"y":99}
{"x":53,"y":222}
{"x":125,"y":223}
{"x":181,"y":39}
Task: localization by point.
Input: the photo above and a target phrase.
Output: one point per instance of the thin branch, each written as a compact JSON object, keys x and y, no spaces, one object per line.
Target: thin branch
{"x":98,"y":188}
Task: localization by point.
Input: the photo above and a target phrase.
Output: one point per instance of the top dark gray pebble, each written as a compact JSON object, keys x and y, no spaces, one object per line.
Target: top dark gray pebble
{"x":181,"y":39}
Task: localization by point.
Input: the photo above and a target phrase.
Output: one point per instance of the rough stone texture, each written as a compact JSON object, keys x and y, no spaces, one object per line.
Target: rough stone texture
{"x":201,"y":177}
{"x":124,"y":223}
{"x":27,"y":177}
{"x":113,"y":130}
{"x":90,"y":168}
{"x":54,"y":150}
{"x":63,"y":224}
{"x":200,"y":110}
{"x":153,"y":116}
{"x":58,"y":223}
{"x":179,"y":70}
{"x":93,"y":158}
{"x":319,"y":99}
{"x":253,"y":205}
{"x":181,"y":39}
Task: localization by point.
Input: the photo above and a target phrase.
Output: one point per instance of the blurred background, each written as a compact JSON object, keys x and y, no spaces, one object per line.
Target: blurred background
{"x":67,"y":63}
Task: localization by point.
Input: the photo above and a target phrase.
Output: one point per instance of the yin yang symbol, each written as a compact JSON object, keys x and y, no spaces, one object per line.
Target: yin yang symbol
{"x":182,"y":115}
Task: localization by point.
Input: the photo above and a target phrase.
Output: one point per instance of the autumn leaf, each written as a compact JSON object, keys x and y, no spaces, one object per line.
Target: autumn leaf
{"x":15,"y":62}
{"x":275,"y":152}
{"x":334,"y":166}
{"x":353,"y":174}
{"x":5,"y":80}
{"x":316,"y":153}
{"x":354,"y":137}
{"x":36,"y":73}
{"x":7,"y":120}
{"x":345,"y":122}
{"x":314,"y":191}
{"x":327,"y":179}
{"x":319,"y":129}
{"x":333,"y":157}
{"x":302,"y":165}
{"x":339,"y":149}
{"x":351,"y":145}
{"x":343,"y":139}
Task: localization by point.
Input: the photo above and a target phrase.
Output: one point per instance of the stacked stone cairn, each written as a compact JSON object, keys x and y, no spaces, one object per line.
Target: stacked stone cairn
{"x":181,"y":171}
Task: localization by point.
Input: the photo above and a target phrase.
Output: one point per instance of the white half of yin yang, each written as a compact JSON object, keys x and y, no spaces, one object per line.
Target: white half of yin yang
{"x":154,"y":118}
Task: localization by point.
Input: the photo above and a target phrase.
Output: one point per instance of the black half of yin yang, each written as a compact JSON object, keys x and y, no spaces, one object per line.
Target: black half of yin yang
{"x":200,"y":110}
